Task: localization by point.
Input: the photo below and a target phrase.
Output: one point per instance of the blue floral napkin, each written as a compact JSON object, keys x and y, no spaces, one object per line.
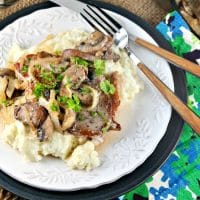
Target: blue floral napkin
{"x":179,"y":177}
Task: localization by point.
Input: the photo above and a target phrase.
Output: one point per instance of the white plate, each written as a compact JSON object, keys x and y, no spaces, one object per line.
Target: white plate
{"x":144,"y":121}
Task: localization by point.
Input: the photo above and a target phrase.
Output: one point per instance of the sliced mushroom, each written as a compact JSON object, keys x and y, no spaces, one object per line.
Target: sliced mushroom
{"x":7,"y":72}
{"x":110,"y":55}
{"x":3,"y":86}
{"x":65,"y":90}
{"x":96,"y":42}
{"x":45,"y":130}
{"x":68,"y":53}
{"x":7,"y":81}
{"x":53,"y":114}
{"x":69,"y":119}
{"x":90,"y":99}
{"x":11,"y":87}
{"x":74,"y":76}
{"x":31,"y":113}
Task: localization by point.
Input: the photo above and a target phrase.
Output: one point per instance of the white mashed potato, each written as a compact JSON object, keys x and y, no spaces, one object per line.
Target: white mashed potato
{"x":78,"y":153}
{"x":73,"y":150}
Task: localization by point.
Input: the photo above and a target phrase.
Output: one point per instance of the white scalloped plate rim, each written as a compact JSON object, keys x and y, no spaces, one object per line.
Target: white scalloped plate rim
{"x":131,"y":147}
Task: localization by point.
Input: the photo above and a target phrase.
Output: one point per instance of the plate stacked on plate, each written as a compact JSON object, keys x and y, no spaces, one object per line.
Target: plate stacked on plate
{"x":146,"y":140}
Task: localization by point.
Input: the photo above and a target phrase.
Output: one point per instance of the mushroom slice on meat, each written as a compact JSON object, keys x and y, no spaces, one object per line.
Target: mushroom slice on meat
{"x":7,"y":72}
{"x":53,"y":114}
{"x":65,"y":90}
{"x":74,"y":76}
{"x":69,"y":119}
{"x":68,"y":53}
{"x":101,"y":118}
{"x":45,"y":130}
{"x":89,"y":97}
{"x":96,"y":42}
{"x":110,"y":55}
{"x":69,"y":116}
{"x":11,"y":87}
{"x":31,"y":113}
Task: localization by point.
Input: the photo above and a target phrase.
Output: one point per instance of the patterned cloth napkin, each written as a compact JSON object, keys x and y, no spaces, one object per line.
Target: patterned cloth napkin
{"x":179,"y":177}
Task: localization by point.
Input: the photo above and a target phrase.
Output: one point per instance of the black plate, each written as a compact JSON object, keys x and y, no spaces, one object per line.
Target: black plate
{"x":150,"y":166}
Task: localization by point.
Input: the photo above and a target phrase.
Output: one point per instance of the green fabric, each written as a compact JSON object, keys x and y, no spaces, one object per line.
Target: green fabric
{"x":179,"y":177}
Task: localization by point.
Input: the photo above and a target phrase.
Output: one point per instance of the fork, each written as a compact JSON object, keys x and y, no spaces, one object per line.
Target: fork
{"x":100,"y":20}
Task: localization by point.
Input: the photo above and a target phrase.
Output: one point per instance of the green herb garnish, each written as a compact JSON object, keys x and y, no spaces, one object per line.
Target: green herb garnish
{"x":6,"y":103}
{"x":85,"y":90}
{"x":99,"y":66}
{"x":38,"y":66}
{"x":52,"y":67}
{"x":39,"y":89}
{"x":58,"y":52}
{"x":80,"y":117}
{"x":54,"y":107}
{"x":60,"y":77}
{"x":62,"y":69}
{"x":93,"y":113}
{"x":29,"y":59}
{"x":62,"y":99}
{"x":107,"y":87}
{"x":46,"y":75}
{"x":106,"y":128}
{"x":102,"y":115}
{"x":79,"y":61}
{"x":24,"y":69}
{"x":72,"y":103}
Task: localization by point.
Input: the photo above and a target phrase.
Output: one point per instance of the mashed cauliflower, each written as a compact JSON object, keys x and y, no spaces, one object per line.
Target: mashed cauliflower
{"x":78,"y":153}
{"x":73,"y":150}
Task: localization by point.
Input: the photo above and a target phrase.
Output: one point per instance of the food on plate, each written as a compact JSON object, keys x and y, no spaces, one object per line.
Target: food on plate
{"x":63,"y":95}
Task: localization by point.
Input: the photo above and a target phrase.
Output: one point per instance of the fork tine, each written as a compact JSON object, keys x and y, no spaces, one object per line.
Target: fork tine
{"x":100,"y":24}
{"x":89,"y":22}
{"x":111,"y":27}
{"x":109,"y":17}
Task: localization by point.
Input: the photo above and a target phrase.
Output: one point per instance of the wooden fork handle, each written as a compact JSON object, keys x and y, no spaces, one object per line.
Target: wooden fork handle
{"x":173,"y":58}
{"x":187,"y":115}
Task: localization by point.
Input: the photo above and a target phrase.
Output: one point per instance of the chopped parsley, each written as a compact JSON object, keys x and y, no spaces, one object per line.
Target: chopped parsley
{"x":106,"y":127}
{"x":99,"y":66}
{"x":62,"y":99}
{"x":46,"y":75}
{"x":102,"y":115}
{"x":62,"y":69}
{"x":60,"y":77}
{"x":54,"y":107}
{"x":29,"y":59}
{"x":39,"y":89}
{"x":93,"y":113}
{"x":6,"y":103}
{"x":80,"y":117}
{"x":72,"y":103}
{"x":58,"y":52}
{"x":38,"y":66}
{"x":79,"y":61}
{"x":85,"y":90}
{"x":107,"y":87}
{"x":24,"y":69}
{"x":52,"y":67}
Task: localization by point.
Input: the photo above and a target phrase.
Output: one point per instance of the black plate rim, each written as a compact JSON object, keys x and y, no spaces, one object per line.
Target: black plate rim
{"x":149,"y":167}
